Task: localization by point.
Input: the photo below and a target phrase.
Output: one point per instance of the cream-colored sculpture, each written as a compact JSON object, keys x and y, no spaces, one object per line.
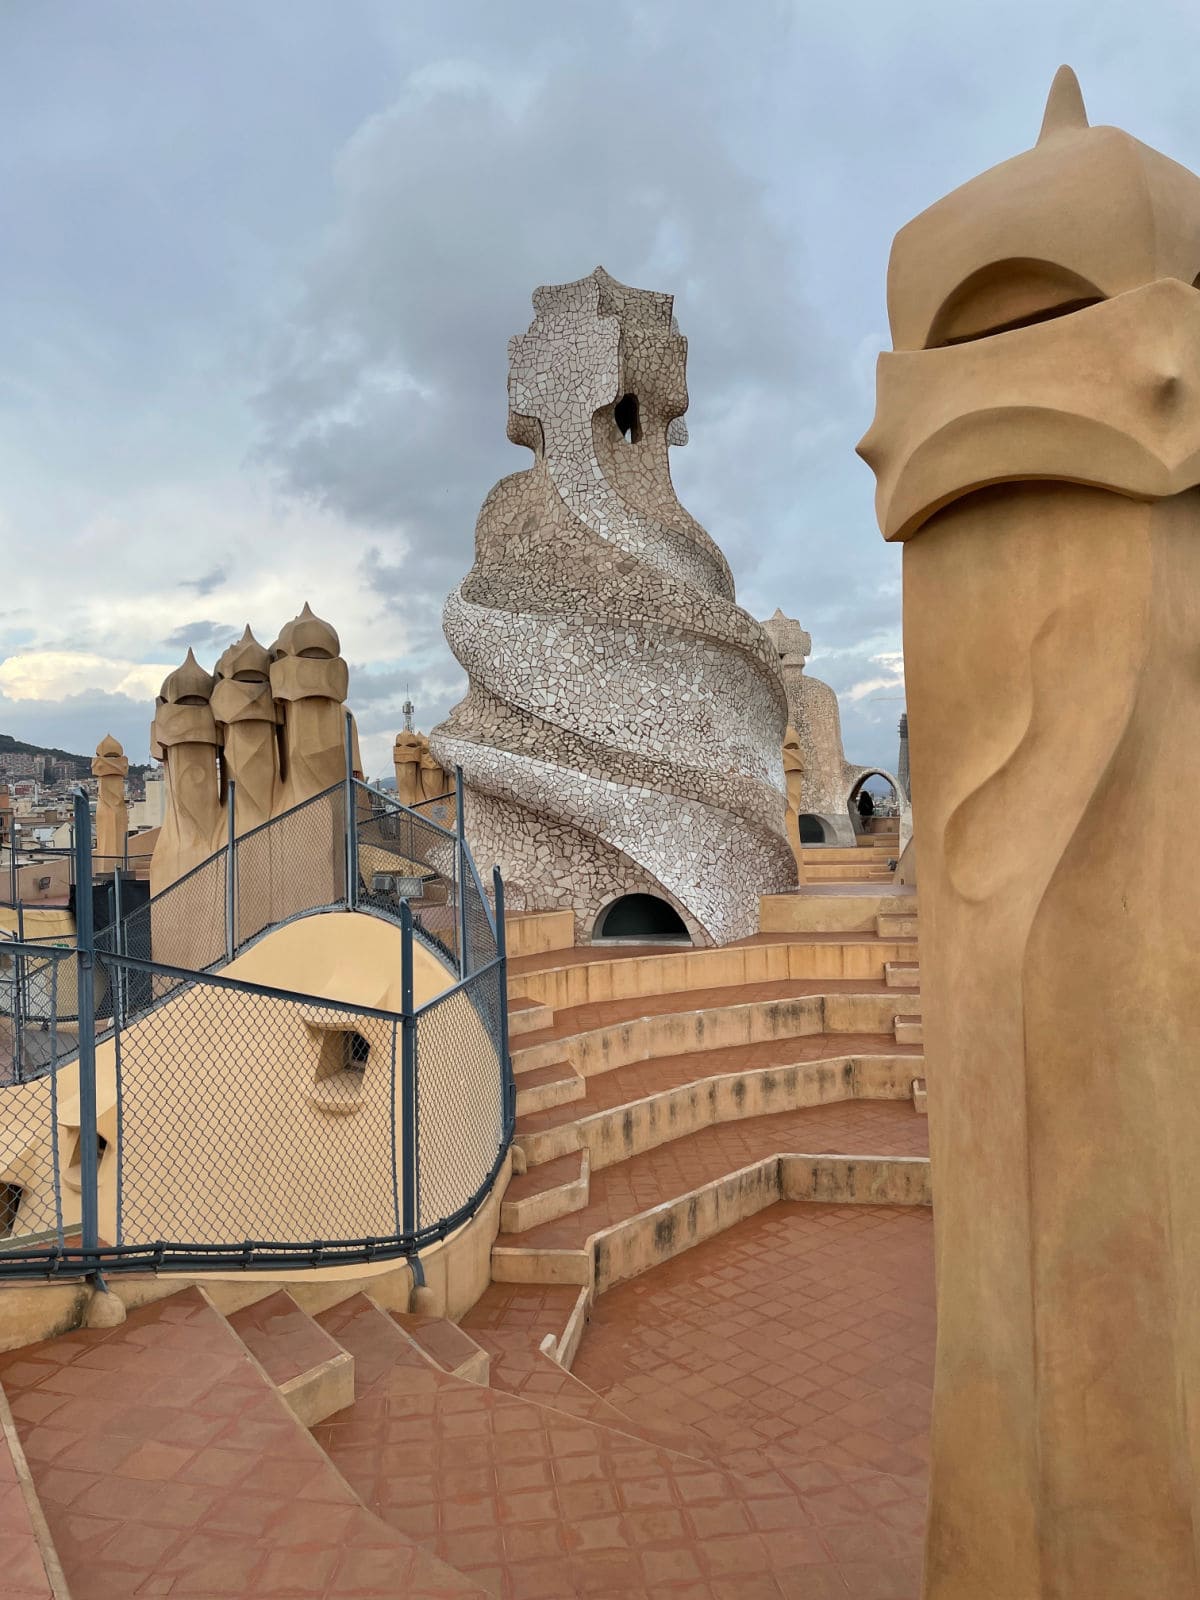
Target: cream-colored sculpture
{"x":310,"y":680}
{"x":793,"y":777}
{"x":1037,"y":446}
{"x":242,"y":703}
{"x":830,"y":782}
{"x":419,"y":775}
{"x":272,"y":722}
{"x":112,"y":813}
{"x":186,"y":738}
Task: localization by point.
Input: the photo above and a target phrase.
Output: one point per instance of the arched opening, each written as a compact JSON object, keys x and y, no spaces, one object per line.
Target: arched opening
{"x":625,"y":415}
{"x":813,"y":829}
{"x":640,"y":916}
{"x":874,"y":804}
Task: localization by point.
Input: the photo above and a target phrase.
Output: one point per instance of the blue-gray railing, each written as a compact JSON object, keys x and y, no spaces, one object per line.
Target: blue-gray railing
{"x":211,"y":1122}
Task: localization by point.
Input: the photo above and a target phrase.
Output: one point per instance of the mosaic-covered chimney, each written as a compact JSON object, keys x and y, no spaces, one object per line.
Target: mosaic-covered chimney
{"x":623,"y":726}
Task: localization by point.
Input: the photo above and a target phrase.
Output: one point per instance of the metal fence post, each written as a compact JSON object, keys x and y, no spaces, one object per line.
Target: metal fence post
{"x":351,"y":821}
{"x":230,"y":871}
{"x":85,"y":976}
{"x":460,"y":828}
{"x":20,"y":979}
{"x":510,"y":1089}
{"x":118,"y":972}
{"x":408,"y":1078}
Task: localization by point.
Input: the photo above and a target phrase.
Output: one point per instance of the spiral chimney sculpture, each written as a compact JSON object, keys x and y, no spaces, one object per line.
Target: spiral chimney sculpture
{"x":623,"y":724}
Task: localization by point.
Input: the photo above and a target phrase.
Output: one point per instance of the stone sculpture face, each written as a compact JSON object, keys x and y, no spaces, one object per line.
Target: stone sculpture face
{"x":1037,"y":447}
{"x":624,"y":718}
{"x":1046,"y":325}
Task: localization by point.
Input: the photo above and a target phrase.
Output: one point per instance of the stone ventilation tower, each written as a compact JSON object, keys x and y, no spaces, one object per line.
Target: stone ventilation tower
{"x":1037,"y":448}
{"x":623,"y":726}
{"x":270,"y":722}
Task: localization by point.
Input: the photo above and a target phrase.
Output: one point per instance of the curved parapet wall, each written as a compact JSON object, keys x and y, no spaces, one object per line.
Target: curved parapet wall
{"x":623,"y":725}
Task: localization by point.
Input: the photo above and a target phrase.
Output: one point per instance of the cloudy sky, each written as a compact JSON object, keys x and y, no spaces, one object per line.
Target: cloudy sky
{"x":260,"y":263}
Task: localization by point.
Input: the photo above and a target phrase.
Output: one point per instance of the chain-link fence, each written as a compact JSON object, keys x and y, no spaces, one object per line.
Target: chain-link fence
{"x":33,"y":1049}
{"x":206,"y":1121}
{"x":460,"y":1093}
{"x":403,"y":856}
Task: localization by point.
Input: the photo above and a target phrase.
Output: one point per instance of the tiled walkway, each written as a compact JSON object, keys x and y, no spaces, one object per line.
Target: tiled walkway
{"x":167,"y":1465}
{"x":802,"y":1337}
{"x":847,"y":1127}
{"x":536,"y":1504}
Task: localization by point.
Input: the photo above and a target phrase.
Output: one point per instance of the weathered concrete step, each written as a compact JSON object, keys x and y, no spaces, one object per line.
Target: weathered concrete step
{"x":639,"y":1028}
{"x":902,"y":975}
{"x":446,"y":1344}
{"x":909,"y":1030}
{"x":553,"y":1189}
{"x":814,"y":855}
{"x":896,"y":925}
{"x":527,"y":1016}
{"x":647,"y":1104}
{"x":920,"y":1105}
{"x":554,"y":1084}
{"x":312,"y":1373}
{"x":864,"y":872}
{"x":601,"y":1248}
{"x":581,"y":977}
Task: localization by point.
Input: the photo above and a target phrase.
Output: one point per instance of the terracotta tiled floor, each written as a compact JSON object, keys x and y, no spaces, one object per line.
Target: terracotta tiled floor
{"x":166,"y":1464}
{"x":538,"y":1505}
{"x":849,"y":1127}
{"x":805,"y":1332}
{"x":21,"y":1571}
{"x":623,"y":1085}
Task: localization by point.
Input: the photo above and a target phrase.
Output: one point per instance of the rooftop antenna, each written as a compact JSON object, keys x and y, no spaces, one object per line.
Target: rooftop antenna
{"x":408,"y":708}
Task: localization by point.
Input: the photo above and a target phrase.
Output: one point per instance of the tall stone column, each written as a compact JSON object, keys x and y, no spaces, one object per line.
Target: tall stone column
{"x":1037,"y":449}
{"x":243,"y":705}
{"x":186,"y":739}
{"x":311,"y":681}
{"x":112,"y":814}
{"x":624,"y":720}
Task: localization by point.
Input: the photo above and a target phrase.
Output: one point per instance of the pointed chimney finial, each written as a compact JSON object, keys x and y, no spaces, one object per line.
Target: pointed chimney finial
{"x":1065,"y":110}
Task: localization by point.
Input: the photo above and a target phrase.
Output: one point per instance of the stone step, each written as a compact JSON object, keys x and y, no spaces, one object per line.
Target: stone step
{"x":312,"y":1373}
{"x":634,"y":1108}
{"x":527,"y":1016}
{"x":166,"y":1461}
{"x":903,"y":975}
{"x":540,"y":1087}
{"x":828,"y":910}
{"x":566,"y":980}
{"x":552,"y":1189}
{"x":528,"y":1501}
{"x":445,"y":1344}
{"x":594,"y":1039}
{"x":661,"y":1176}
{"x":919,"y":1098}
{"x":816,"y":855}
{"x":909,"y":1030}
{"x":896,"y":925}
{"x":851,"y":872}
